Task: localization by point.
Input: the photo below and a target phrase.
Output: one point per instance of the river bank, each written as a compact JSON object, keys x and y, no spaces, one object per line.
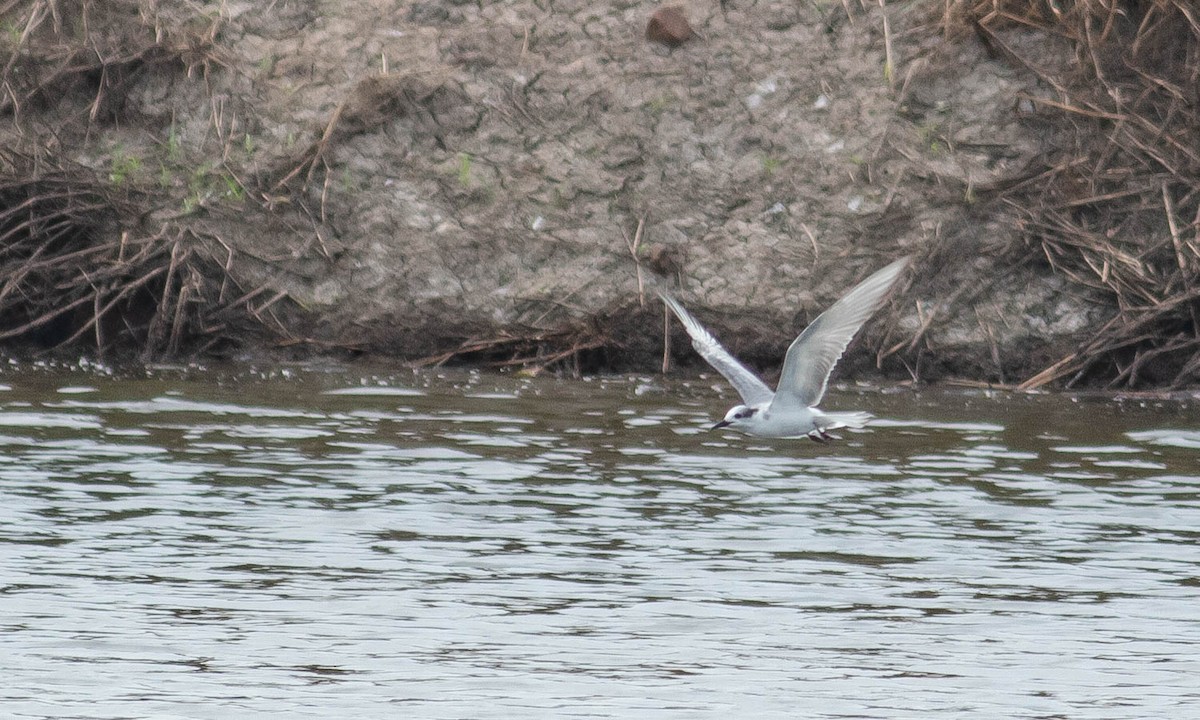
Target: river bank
{"x":459,"y":182}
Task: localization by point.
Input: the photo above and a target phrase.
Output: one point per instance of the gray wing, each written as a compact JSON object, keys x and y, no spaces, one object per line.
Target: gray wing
{"x":753,"y":390}
{"x":812,"y":355}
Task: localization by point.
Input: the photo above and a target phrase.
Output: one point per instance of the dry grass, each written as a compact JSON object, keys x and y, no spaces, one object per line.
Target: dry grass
{"x":81,"y":264}
{"x":55,"y":48}
{"x":1117,"y":208}
{"x":536,"y":351}
{"x":74,"y":273}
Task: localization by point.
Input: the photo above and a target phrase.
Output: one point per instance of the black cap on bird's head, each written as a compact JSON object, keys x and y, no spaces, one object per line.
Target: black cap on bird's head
{"x":735,"y":415}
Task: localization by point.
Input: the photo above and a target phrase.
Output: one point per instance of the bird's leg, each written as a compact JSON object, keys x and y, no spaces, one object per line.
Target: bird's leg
{"x":821,"y":435}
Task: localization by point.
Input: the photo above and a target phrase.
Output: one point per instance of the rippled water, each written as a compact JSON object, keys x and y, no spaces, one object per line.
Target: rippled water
{"x":313,"y":543}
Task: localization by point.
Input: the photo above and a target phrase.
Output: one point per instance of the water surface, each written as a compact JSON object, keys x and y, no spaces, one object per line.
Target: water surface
{"x":334,"y":542}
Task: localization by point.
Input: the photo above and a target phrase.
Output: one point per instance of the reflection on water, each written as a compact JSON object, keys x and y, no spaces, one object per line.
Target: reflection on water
{"x":313,"y":544}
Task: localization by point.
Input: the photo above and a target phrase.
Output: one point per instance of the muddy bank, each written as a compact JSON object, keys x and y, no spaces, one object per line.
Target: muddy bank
{"x":454,"y":181}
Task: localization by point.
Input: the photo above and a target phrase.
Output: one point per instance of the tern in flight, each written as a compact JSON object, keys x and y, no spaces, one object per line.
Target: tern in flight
{"x":791,"y":410}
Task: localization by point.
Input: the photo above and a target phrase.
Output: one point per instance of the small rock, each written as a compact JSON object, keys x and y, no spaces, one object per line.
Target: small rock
{"x":663,"y":260}
{"x":427,"y":13}
{"x":761,"y":91}
{"x":766,"y":87}
{"x":669,"y":26}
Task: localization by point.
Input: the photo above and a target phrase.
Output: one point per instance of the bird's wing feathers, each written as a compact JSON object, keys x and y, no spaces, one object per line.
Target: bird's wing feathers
{"x":753,"y":390}
{"x":813,"y":354}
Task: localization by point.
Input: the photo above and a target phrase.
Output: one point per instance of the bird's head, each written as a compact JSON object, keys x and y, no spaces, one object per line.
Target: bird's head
{"x":738,"y":415}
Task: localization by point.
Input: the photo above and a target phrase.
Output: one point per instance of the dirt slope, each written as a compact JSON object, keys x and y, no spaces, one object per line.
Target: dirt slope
{"x":412,"y":178}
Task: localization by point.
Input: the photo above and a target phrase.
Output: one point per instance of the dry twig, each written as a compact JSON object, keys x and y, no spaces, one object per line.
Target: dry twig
{"x":1109,"y":217}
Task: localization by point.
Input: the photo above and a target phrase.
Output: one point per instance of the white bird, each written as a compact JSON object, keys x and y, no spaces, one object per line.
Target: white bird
{"x":791,"y":411}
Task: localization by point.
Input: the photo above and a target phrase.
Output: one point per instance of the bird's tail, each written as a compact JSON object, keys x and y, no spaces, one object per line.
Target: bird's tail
{"x":835,"y":420}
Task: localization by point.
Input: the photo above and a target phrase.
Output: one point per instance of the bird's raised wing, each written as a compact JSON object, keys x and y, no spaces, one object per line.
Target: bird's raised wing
{"x":812,"y":355}
{"x":753,"y":390}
